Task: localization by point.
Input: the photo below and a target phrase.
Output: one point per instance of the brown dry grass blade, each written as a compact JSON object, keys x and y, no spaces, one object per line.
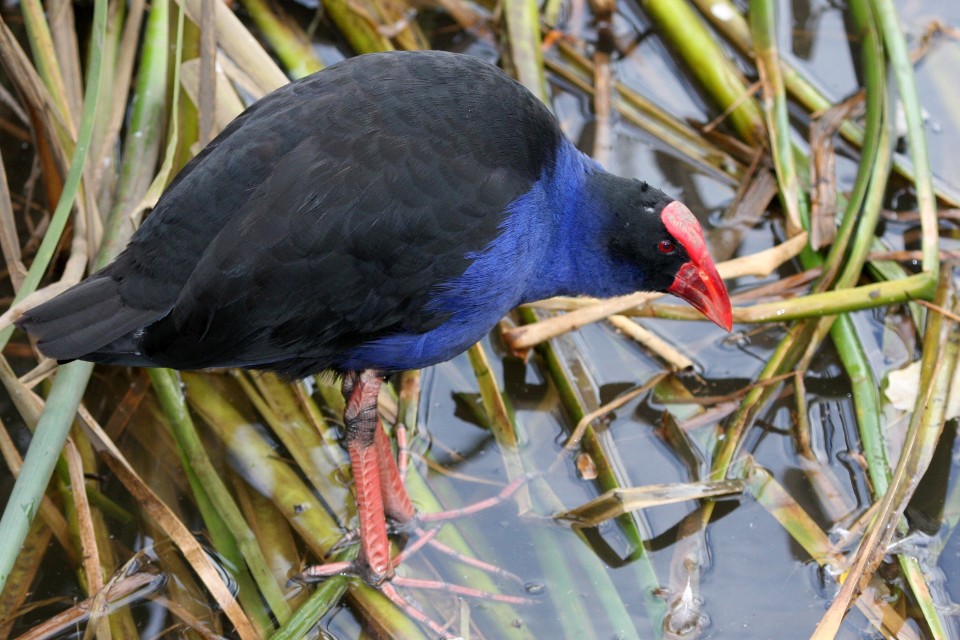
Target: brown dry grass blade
{"x":749,"y":205}
{"x":167,"y":521}
{"x":227,"y":105}
{"x":9,"y":242}
{"x":115,"y":591}
{"x":620,"y":501}
{"x":240,"y":46}
{"x":45,"y":118}
{"x":823,"y":169}
{"x":85,"y":527}
{"x":675,"y":359}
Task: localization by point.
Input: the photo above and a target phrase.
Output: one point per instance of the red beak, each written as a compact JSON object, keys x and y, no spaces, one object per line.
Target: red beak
{"x":697,"y":281}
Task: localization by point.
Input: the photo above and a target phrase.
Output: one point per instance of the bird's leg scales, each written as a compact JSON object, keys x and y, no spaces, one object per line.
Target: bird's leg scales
{"x":380,"y":493}
{"x":402,"y":518}
{"x":362,"y":422}
{"x":396,"y":500}
{"x":405,"y":520}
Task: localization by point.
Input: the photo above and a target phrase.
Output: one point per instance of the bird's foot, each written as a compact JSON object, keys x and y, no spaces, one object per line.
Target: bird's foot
{"x":359,"y":569}
{"x":386,"y":586}
{"x":421,"y":537}
{"x":388,"y":583}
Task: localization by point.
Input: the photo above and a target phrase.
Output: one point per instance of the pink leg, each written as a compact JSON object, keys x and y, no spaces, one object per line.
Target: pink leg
{"x":362,"y":422}
{"x":381,"y":493}
{"x":396,"y":500}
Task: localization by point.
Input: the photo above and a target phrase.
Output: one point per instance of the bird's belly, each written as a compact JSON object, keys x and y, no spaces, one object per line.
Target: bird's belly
{"x":404,"y":351}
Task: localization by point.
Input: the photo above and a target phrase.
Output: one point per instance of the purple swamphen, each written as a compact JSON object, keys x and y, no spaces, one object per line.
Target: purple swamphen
{"x":377,"y":216}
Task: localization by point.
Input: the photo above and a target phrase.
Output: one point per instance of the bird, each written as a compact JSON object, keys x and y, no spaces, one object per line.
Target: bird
{"x":380,"y":215}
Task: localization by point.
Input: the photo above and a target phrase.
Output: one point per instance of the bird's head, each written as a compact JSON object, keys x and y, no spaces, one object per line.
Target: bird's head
{"x":661,"y":238}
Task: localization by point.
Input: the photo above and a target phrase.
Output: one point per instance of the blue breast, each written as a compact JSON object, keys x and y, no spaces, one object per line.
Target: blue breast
{"x":533,"y":257}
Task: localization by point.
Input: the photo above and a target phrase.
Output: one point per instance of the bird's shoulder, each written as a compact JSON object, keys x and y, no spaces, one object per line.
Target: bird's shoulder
{"x":437,"y":141}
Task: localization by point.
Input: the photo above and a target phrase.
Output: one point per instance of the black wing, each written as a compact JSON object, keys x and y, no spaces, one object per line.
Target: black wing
{"x":320,"y":219}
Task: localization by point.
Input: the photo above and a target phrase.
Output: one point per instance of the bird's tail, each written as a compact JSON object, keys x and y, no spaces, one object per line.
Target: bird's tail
{"x":89,"y":322}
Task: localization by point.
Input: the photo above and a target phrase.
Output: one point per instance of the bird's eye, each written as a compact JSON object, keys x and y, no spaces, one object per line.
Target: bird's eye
{"x":666,"y":246}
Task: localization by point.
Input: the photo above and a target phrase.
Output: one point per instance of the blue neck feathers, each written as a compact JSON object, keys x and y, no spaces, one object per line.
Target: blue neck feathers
{"x":576,"y":260}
